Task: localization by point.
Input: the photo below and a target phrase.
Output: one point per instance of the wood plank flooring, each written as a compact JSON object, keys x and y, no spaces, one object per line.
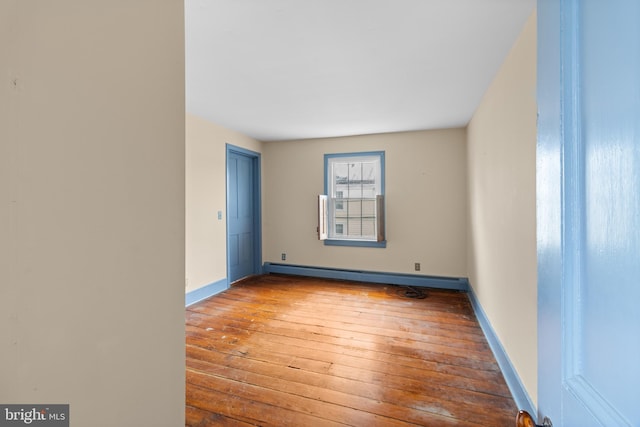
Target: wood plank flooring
{"x":293,"y":351}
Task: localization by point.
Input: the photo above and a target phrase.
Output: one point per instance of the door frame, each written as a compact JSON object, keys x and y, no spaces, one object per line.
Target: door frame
{"x":257,"y":205}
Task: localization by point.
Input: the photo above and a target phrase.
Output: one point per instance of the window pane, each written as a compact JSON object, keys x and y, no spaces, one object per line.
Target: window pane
{"x":368,"y":227}
{"x":339,"y":201}
{"x":354,"y":207}
{"x":355,"y":173}
{"x":341,"y":174}
{"x":369,"y":208}
{"x":368,"y":173}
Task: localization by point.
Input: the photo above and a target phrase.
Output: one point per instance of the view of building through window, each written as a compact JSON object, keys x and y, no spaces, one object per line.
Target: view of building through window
{"x":354,"y":181}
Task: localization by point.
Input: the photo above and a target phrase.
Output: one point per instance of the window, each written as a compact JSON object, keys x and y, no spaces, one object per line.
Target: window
{"x":354,"y":203}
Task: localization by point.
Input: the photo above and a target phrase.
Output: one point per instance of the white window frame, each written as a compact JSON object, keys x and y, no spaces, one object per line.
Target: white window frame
{"x":375,"y":196}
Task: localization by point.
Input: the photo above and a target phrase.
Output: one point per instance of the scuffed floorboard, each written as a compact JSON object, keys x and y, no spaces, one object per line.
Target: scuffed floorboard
{"x":297,"y":351}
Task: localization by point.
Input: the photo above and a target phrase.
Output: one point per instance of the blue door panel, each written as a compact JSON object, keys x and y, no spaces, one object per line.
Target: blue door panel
{"x":589,"y":212}
{"x":233,"y":251}
{"x":245,"y":256}
{"x":232,"y":188}
{"x":610,"y":71}
{"x":245,"y":189}
{"x":243,"y":219}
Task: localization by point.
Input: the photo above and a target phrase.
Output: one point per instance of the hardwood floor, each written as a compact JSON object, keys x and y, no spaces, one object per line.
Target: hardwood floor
{"x":294,"y":351}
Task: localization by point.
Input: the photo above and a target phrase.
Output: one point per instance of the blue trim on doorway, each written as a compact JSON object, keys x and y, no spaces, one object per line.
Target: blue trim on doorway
{"x":257,"y":162}
{"x":243,"y":151}
{"x":519,"y":393}
{"x":205,"y":292}
{"x":458,"y":284}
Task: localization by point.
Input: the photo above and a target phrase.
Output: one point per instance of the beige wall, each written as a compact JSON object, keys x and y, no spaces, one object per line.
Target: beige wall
{"x":502,"y":232}
{"x":206,"y":253}
{"x":426,"y":203}
{"x":92,"y":209}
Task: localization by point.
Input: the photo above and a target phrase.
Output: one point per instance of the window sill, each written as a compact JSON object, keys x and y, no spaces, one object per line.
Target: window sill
{"x":357,"y":243}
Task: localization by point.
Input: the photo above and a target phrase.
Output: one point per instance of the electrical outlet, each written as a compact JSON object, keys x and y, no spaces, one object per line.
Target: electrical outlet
{"x":417,"y":266}
{"x":284,"y":256}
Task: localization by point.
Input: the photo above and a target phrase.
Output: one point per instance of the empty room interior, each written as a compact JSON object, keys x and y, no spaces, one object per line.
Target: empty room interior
{"x":319,"y":212}
{"x":122,"y":125}
{"x":443,"y":93}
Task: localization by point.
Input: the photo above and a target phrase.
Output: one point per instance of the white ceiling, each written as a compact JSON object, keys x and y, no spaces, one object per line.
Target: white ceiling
{"x":294,"y":69}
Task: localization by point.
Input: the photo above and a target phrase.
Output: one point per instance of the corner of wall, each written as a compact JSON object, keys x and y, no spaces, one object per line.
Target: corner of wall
{"x":501,"y":246}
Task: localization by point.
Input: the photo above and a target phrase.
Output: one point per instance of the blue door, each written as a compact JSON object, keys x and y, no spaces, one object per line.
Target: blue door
{"x":588,"y":186}
{"x":243,"y":213}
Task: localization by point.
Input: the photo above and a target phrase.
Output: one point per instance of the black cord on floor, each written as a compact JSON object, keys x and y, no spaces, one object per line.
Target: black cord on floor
{"x":412,"y":292}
